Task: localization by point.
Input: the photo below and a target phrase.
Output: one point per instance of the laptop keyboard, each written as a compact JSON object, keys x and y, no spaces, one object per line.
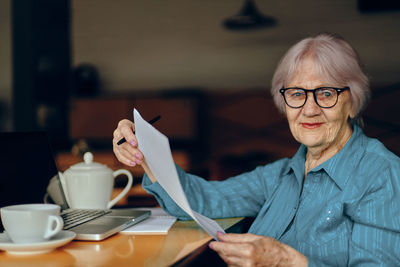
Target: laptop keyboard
{"x":74,"y":217}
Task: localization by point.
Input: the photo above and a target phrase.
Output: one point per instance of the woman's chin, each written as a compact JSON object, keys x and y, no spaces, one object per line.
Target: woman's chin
{"x":311,"y":141}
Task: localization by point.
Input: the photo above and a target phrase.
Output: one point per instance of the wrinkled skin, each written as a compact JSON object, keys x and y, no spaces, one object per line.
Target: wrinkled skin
{"x":255,"y":250}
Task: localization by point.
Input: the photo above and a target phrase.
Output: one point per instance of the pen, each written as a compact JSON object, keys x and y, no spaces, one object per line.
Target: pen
{"x":153,"y":120}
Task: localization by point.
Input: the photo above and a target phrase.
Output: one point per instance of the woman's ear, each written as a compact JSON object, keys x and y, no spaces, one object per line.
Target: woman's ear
{"x":353,"y":112}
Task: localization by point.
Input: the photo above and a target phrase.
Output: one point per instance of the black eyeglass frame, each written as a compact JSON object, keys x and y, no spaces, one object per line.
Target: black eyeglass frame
{"x":338,"y":90}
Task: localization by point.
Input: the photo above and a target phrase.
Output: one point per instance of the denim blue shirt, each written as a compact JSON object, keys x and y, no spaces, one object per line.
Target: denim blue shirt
{"x":347,"y":214}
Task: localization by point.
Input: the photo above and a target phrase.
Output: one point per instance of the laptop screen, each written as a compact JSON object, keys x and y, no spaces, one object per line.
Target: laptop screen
{"x":26,"y":166}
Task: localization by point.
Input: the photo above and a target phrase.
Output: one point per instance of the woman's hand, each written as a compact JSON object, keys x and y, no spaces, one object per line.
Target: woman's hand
{"x":255,"y":250}
{"x":127,"y":153}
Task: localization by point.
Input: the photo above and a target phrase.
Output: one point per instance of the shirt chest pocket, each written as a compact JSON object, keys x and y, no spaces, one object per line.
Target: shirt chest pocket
{"x":330,"y":225}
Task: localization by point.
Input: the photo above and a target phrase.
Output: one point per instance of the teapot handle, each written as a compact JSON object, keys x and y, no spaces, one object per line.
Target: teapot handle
{"x":126,"y":189}
{"x":64,"y":187}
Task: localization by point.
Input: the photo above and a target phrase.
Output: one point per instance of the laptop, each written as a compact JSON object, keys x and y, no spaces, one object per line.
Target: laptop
{"x":26,"y":167}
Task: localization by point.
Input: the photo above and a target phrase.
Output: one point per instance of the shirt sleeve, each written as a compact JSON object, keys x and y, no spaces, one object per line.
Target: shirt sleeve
{"x":242,"y":195}
{"x":375,"y":238}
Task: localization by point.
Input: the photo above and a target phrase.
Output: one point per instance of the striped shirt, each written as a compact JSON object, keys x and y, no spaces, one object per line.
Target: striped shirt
{"x":347,"y":214}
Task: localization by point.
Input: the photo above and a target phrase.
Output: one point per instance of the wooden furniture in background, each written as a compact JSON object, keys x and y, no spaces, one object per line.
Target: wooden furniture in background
{"x":96,"y":118}
{"x":182,"y":119}
{"x":246,"y":130}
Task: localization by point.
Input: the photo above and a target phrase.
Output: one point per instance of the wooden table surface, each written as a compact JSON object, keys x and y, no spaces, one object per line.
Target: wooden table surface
{"x":124,"y":250}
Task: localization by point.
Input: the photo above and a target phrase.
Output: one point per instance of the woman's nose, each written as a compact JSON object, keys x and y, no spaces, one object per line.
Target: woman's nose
{"x":311,"y":108}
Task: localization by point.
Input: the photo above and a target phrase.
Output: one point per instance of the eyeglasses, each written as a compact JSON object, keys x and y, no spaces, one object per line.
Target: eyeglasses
{"x":325,"y":97}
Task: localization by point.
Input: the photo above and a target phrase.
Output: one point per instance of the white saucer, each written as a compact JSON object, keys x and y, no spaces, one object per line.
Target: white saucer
{"x":56,"y":241}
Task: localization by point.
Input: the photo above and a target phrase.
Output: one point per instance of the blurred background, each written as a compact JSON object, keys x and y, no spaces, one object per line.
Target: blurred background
{"x":74,"y":68}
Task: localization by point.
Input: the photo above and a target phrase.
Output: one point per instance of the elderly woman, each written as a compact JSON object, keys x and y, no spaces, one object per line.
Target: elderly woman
{"x":335,"y":202}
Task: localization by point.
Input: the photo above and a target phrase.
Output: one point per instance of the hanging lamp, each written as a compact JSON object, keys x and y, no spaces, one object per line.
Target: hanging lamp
{"x":249,"y":18}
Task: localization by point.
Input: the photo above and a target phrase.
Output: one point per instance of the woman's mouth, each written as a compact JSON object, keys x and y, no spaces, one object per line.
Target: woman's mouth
{"x":311,"y":125}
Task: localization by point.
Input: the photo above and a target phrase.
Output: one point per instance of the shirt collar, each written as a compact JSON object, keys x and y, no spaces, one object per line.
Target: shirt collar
{"x":338,"y":166}
{"x":297,"y":164}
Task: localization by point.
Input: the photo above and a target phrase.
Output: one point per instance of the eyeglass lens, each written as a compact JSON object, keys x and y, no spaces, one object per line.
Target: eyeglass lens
{"x":325,"y":97}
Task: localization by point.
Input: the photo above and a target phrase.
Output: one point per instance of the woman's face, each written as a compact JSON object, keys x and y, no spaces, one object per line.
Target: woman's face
{"x":316,"y":127}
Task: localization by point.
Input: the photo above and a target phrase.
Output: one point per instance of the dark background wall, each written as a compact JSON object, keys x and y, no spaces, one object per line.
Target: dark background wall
{"x":158,"y":45}
{"x":41,"y":66}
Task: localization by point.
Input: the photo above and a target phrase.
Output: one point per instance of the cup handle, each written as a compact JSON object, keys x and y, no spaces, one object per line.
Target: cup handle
{"x":126,"y":189}
{"x":46,"y":198}
{"x":59,"y":224}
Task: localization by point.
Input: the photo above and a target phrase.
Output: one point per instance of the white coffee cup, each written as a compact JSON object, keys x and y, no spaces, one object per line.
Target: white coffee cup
{"x":31,"y":223}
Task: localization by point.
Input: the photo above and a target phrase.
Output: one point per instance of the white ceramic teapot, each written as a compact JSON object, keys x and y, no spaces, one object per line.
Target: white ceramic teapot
{"x":89,"y":185}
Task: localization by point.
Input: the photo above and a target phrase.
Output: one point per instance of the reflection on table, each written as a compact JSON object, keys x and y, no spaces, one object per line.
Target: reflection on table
{"x":125,"y":250}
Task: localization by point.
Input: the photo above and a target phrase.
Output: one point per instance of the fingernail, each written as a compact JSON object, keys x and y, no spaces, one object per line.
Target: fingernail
{"x":220,"y":233}
{"x":133,"y":143}
{"x":210,"y":245}
{"x":138,"y":161}
{"x":137,"y":155}
{"x":132,"y":163}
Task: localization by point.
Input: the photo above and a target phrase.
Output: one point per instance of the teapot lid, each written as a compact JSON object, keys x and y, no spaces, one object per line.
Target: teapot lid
{"x":88,"y":164}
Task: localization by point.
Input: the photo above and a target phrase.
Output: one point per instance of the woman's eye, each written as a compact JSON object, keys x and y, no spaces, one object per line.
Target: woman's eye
{"x":296,"y":94}
{"x":327,"y":93}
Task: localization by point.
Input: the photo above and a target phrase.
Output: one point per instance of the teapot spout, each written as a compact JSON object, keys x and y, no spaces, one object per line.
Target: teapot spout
{"x":64,"y":187}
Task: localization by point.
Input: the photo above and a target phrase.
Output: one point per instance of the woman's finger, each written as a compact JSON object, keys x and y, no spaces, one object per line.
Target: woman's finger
{"x":126,"y":128}
{"x":229,"y":249}
{"x":234,"y":238}
{"x":128,"y":153}
{"x":233,"y":261}
{"x":116,"y":137}
{"x":123,"y":156}
{"x":132,"y":153}
{"x":234,"y":254}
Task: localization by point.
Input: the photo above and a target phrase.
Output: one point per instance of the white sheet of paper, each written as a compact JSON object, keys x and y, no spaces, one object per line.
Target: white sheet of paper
{"x":157,"y":153}
{"x":159,"y":223}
